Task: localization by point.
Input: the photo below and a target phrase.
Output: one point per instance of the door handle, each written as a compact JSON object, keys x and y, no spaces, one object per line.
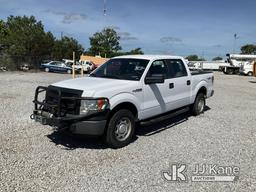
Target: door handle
{"x":188,"y":82}
{"x":171,"y":85}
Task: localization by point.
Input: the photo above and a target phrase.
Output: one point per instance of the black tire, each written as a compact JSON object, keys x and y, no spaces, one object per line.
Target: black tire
{"x":250,"y":73}
{"x":69,"y":71}
{"x":229,"y":71}
{"x":199,"y":104}
{"x":122,"y":121}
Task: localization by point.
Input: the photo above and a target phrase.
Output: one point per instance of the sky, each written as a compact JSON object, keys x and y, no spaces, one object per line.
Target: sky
{"x":181,"y":27}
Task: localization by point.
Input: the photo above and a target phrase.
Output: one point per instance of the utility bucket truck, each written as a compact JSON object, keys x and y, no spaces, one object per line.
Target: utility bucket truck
{"x":254,"y":69}
{"x":239,"y":64}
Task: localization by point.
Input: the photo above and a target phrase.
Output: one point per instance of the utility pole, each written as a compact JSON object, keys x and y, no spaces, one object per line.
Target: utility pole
{"x":105,"y":8}
{"x":73,"y":66}
{"x":234,"y":46}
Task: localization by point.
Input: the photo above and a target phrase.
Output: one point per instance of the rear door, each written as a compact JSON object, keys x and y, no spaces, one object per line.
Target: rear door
{"x":61,"y":67}
{"x":172,"y":94}
{"x":179,"y":84}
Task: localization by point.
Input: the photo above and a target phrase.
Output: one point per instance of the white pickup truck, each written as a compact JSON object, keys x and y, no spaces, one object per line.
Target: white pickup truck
{"x":122,"y":92}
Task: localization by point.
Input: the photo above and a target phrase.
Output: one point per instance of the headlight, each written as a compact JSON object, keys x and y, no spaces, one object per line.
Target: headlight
{"x":93,"y":105}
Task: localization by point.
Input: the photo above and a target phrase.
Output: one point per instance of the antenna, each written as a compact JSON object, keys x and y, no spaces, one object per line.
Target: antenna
{"x":105,"y":8}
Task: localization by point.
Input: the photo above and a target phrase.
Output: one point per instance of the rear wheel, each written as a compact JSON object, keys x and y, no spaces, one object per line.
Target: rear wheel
{"x":120,"y":129}
{"x":199,"y":104}
{"x":69,"y":71}
{"x":46,"y":70}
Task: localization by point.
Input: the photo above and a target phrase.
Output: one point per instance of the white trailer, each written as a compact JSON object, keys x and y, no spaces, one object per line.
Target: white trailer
{"x":208,"y":65}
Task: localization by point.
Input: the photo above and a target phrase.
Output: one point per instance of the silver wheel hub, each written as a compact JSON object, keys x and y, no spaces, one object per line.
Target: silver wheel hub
{"x":123,"y":129}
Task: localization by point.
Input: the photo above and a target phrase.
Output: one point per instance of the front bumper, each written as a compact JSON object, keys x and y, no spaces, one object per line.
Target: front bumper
{"x":60,"y":109}
{"x":93,"y":123}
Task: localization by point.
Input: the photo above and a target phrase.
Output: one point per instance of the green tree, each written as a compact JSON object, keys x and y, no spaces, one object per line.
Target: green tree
{"x":217,"y":58}
{"x":3,"y":32}
{"x":136,"y":51}
{"x":104,"y":43}
{"x":194,"y":58}
{"x":248,"y":49}
{"x":23,"y":39}
{"x":63,"y":48}
{"x":26,"y":37}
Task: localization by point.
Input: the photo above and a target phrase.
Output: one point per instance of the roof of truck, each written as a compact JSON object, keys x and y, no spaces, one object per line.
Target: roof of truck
{"x":149,"y":57}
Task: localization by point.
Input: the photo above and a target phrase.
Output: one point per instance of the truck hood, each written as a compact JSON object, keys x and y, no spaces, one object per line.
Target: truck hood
{"x":89,"y":85}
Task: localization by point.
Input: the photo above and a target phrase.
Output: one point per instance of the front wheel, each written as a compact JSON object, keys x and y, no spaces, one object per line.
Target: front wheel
{"x":199,"y":105}
{"x":250,"y":73}
{"x":69,"y":71}
{"x":120,"y":129}
{"x":47,"y":70}
{"x":229,"y":71}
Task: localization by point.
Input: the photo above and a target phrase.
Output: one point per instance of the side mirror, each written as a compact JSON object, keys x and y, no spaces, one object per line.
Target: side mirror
{"x":156,"y":78}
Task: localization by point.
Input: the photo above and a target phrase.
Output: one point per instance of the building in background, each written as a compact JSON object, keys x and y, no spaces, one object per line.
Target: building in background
{"x":96,"y":60}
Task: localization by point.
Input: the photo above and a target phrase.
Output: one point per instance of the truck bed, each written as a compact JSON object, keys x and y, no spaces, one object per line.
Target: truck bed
{"x":199,"y":72}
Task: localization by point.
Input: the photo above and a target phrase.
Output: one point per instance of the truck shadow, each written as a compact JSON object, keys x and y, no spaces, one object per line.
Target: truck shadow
{"x":71,"y":142}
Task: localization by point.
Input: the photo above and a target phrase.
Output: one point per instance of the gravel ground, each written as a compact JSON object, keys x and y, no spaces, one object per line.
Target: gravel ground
{"x":34,"y":158}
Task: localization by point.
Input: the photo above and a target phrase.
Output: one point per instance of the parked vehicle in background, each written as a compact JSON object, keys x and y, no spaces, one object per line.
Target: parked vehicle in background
{"x":68,"y":62}
{"x":3,"y":69}
{"x":25,"y":67}
{"x":239,"y":64}
{"x":121,"y":92}
{"x":254,"y":69}
{"x":56,"y":66}
{"x":246,"y":69}
{"x":88,"y":66}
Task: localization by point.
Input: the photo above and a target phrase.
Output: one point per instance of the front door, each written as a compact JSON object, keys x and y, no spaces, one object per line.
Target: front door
{"x":154,"y":101}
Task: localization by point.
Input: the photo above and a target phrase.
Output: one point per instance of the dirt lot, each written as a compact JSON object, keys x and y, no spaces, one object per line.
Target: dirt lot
{"x":34,"y":158}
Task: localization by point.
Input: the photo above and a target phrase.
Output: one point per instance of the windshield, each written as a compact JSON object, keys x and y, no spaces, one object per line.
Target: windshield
{"x":126,"y":69}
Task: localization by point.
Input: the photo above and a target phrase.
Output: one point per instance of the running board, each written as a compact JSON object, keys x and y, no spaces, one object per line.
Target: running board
{"x":164,"y":117}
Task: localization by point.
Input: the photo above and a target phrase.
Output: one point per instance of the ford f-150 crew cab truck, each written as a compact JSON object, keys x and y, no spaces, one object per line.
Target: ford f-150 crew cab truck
{"x":124,"y":91}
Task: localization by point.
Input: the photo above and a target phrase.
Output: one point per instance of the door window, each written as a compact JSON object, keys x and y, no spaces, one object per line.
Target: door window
{"x":176,"y":68}
{"x":53,"y":63}
{"x":158,"y":67}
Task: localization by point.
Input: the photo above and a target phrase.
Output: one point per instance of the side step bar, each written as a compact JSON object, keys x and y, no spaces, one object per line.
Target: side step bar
{"x":164,"y":117}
